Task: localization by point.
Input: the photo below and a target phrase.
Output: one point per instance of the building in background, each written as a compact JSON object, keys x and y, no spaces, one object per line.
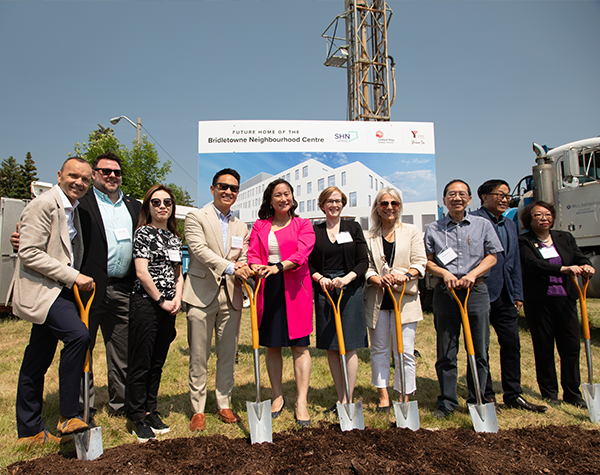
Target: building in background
{"x":309,"y":178}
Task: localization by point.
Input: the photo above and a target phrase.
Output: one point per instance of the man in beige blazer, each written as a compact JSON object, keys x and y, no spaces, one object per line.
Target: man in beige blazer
{"x":50,"y":252}
{"x":217,"y":243}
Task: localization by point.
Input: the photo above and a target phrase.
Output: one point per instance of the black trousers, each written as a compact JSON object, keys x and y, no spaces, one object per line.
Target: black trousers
{"x":505,"y":320}
{"x":555,"y":319}
{"x":151,"y":331}
{"x":62,"y":323}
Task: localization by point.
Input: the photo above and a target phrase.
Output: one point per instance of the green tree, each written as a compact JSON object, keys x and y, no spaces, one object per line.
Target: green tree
{"x":27,"y":174}
{"x":9,"y":176}
{"x":99,"y":141}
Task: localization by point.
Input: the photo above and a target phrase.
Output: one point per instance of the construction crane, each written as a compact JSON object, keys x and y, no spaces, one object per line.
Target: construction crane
{"x":363,"y":52}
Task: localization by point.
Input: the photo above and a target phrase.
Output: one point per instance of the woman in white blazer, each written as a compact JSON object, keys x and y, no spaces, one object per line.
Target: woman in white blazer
{"x":396,"y":256}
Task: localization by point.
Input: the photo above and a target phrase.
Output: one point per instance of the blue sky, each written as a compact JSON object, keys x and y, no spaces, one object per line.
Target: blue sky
{"x":493,"y":76}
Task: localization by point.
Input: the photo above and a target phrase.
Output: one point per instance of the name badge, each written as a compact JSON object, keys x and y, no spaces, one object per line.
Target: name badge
{"x":343,"y":237}
{"x":174,"y":255}
{"x":447,"y":256}
{"x":548,"y":252}
{"x":237,"y":242}
{"x":122,"y":234}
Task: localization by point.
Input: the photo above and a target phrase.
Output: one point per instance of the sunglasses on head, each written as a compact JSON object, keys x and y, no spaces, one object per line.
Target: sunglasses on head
{"x":385,"y":204}
{"x":227,"y":186}
{"x":107,"y":171}
{"x":168,"y":202}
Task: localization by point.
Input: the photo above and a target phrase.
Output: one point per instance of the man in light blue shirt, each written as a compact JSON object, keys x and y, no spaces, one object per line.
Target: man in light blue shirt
{"x":460,"y":251}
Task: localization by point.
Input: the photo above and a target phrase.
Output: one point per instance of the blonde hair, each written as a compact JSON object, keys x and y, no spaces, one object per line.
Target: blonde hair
{"x":375,"y":228}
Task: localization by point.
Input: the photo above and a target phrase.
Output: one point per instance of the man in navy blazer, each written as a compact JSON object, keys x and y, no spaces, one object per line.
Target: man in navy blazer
{"x":505,"y":287}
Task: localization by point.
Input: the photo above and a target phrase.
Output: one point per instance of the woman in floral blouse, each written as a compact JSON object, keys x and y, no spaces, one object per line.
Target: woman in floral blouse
{"x":155,"y":301}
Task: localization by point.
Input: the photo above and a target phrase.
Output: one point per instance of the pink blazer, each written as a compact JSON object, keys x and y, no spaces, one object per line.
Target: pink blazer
{"x":296,"y":242}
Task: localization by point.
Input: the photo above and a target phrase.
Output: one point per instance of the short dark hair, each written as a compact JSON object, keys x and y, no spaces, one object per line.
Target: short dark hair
{"x":106,"y":156}
{"x":489,"y":186}
{"x":225,"y":171}
{"x":79,"y":159}
{"x":457,"y":180}
{"x":266,"y":211}
{"x":526,"y":213}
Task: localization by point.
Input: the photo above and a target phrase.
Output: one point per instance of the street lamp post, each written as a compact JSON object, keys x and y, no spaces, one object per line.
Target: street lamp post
{"x":138,"y":126}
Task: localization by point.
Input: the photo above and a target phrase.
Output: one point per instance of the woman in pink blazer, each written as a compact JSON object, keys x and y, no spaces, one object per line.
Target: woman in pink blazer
{"x":280,"y":244}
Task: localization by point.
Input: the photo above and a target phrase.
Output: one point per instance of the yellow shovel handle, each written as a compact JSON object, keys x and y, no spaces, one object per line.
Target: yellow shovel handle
{"x":397,"y":306}
{"x":338,"y":321}
{"x":253,"y":311}
{"x":84,"y":313}
{"x":585,"y":323}
{"x":465,"y":321}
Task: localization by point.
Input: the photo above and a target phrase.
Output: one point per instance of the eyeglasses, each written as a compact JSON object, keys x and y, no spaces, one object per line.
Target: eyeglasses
{"x":333,"y":202}
{"x":454,"y":194}
{"x":107,"y":171}
{"x":168,"y":202}
{"x":385,"y":204}
{"x":227,"y":186}
{"x":501,"y":196}
{"x":547,"y":216}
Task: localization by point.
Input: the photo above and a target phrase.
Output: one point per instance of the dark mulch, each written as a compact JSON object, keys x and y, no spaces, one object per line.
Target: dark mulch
{"x":327,"y":450}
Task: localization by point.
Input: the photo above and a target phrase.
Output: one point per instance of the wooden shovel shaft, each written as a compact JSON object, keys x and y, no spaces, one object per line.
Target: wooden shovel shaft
{"x":398,"y":317}
{"x":253,"y":311}
{"x":338,"y":321}
{"x":585,"y":323}
{"x":84,"y":313}
{"x":465,"y":321}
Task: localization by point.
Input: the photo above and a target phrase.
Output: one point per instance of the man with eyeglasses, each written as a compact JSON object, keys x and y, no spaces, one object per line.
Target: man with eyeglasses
{"x":218,"y":244}
{"x":505,"y":287}
{"x":461,"y":249}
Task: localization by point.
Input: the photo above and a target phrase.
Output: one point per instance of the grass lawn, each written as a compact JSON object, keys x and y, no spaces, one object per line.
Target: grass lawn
{"x":174,"y":398}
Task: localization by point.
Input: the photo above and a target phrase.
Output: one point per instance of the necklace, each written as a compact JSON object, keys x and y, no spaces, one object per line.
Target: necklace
{"x":281,"y":225}
{"x":545,"y":241}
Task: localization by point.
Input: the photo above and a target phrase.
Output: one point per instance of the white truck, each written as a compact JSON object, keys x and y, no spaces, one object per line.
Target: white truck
{"x":569,"y":177}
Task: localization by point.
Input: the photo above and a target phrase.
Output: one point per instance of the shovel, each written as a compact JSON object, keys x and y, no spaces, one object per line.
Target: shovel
{"x":351,"y":415}
{"x":259,"y":413}
{"x":88,"y":444}
{"x":591,"y":391}
{"x":407,"y":413}
{"x":483,"y":415}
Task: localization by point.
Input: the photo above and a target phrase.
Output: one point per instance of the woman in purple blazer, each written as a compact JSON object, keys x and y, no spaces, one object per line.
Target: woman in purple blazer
{"x":280,"y":245}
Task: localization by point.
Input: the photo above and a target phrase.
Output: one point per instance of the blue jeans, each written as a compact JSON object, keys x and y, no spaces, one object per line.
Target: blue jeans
{"x":448,"y":323}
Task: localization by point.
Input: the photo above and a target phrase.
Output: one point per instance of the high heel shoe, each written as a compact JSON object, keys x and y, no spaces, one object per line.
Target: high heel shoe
{"x":300,"y":422}
{"x":275,"y":415}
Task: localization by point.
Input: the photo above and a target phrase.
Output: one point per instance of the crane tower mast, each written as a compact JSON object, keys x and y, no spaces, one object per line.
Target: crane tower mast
{"x":363,"y":52}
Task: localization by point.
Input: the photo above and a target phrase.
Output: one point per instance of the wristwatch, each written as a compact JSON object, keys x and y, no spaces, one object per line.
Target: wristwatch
{"x":409,"y":275}
{"x":160,"y":300}
{"x":279,"y":265}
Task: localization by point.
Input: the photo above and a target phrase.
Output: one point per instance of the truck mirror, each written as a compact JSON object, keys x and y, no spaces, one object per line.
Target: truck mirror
{"x":571,"y":163}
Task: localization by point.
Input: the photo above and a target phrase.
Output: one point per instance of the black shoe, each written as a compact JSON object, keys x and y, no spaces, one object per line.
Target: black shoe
{"x":331,"y":410}
{"x":158,"y":426}
{"x":580,"y":403}
{"x":142,"y":431}
{"x":383,"y":409}
{"x":275,"y":415}
{"x":441,"y":413}
{"x":522,"y":403}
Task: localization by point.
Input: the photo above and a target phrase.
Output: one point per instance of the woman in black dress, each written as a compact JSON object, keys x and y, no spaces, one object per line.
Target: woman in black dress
{"x":339,"y":260}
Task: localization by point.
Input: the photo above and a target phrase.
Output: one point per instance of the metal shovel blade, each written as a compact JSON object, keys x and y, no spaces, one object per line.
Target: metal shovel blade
{"x":484,"y":417}
{"x":351,"y":416}
{"x":591,"y":393}
{"x":88,"y":444}
{"x":407,"y":415}
{"x":259,"y":420}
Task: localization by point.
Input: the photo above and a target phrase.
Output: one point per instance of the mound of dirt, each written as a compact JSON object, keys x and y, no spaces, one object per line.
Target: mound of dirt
{"x":327,"y":450}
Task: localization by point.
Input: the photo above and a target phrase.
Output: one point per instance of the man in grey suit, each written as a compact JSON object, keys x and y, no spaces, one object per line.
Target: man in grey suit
{"x":217,"y":243}
{"x":50,"y":254}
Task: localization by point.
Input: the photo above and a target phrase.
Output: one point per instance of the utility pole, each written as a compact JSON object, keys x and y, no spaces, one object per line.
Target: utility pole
{"x":363,"y":52}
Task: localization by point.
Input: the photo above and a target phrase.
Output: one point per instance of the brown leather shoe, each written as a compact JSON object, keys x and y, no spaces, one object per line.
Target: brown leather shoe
{"x":228,"y":416}
{"x":41,"y":438}
{"x":198,"y":422}
{"x":70,"y":426}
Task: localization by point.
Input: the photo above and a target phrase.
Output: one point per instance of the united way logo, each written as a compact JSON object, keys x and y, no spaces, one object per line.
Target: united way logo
{"x":379,"y":134}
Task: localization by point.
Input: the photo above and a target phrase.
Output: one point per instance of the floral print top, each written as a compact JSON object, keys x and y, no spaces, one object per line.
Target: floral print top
{"x":161,"y":248}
